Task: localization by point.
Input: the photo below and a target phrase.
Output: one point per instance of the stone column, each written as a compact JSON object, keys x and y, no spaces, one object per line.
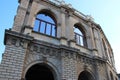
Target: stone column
{"x":19,"y":18}
{"x":63,"y":39}
{"x":71,"y":32}
{"x":93,"y":37}
{"x":96,"y":70}
{"x":33,"y":12}
{"x":30,"y":18}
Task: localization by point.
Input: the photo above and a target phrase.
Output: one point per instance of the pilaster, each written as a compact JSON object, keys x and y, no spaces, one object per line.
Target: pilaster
{"x":32,"y":15}
{"x":63,"y":38}
{"x":28,"y":30}
{"x":93,"y":41}
{"x":19,"y":18}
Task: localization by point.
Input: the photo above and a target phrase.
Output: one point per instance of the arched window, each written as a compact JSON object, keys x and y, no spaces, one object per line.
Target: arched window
{"x":80,"y":36}
{"x":45,"y":24}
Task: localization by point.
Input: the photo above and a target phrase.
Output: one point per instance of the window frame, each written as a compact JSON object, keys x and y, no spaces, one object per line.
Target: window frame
{"x":52,"y":26}
{"x":82,"y":36}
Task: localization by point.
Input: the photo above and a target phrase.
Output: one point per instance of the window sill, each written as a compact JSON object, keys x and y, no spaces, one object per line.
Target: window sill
{"x":82,"y":46}
{"x":45,"y":35}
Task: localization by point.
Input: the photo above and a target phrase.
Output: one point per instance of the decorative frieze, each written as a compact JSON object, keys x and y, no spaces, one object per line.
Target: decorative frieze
{"x":43,"y":50}
{"x":18,"y":42}
{"x":90,"y":61}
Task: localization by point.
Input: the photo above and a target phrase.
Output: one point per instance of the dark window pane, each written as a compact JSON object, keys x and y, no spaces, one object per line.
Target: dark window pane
{"x":53,"y":30}
{"x":42,"y":27}
{"x":79,"y":37}
{"x":36,"y":25}
{"x":48,"y":30}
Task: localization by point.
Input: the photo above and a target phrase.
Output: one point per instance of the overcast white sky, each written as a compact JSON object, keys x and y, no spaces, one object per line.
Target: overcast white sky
{"x":105,"y":12}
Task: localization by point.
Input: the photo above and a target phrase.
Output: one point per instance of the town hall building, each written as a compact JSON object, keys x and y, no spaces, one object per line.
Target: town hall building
{"x":50,"y":40}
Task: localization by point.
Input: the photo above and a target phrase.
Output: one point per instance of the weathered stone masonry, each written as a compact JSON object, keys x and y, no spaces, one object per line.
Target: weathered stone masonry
{"x":28,"y":51}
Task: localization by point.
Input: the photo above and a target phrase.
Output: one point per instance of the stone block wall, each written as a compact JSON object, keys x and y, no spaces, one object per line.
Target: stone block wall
{"x":13,"y":58}
{"x":12,"y":63}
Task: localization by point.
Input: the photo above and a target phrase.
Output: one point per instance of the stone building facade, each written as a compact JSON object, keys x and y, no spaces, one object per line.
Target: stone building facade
{"x":52,"y":40}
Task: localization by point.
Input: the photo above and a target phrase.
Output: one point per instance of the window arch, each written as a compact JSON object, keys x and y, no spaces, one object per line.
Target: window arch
{"x":80,"y":35}
{"x":45,"y":23}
